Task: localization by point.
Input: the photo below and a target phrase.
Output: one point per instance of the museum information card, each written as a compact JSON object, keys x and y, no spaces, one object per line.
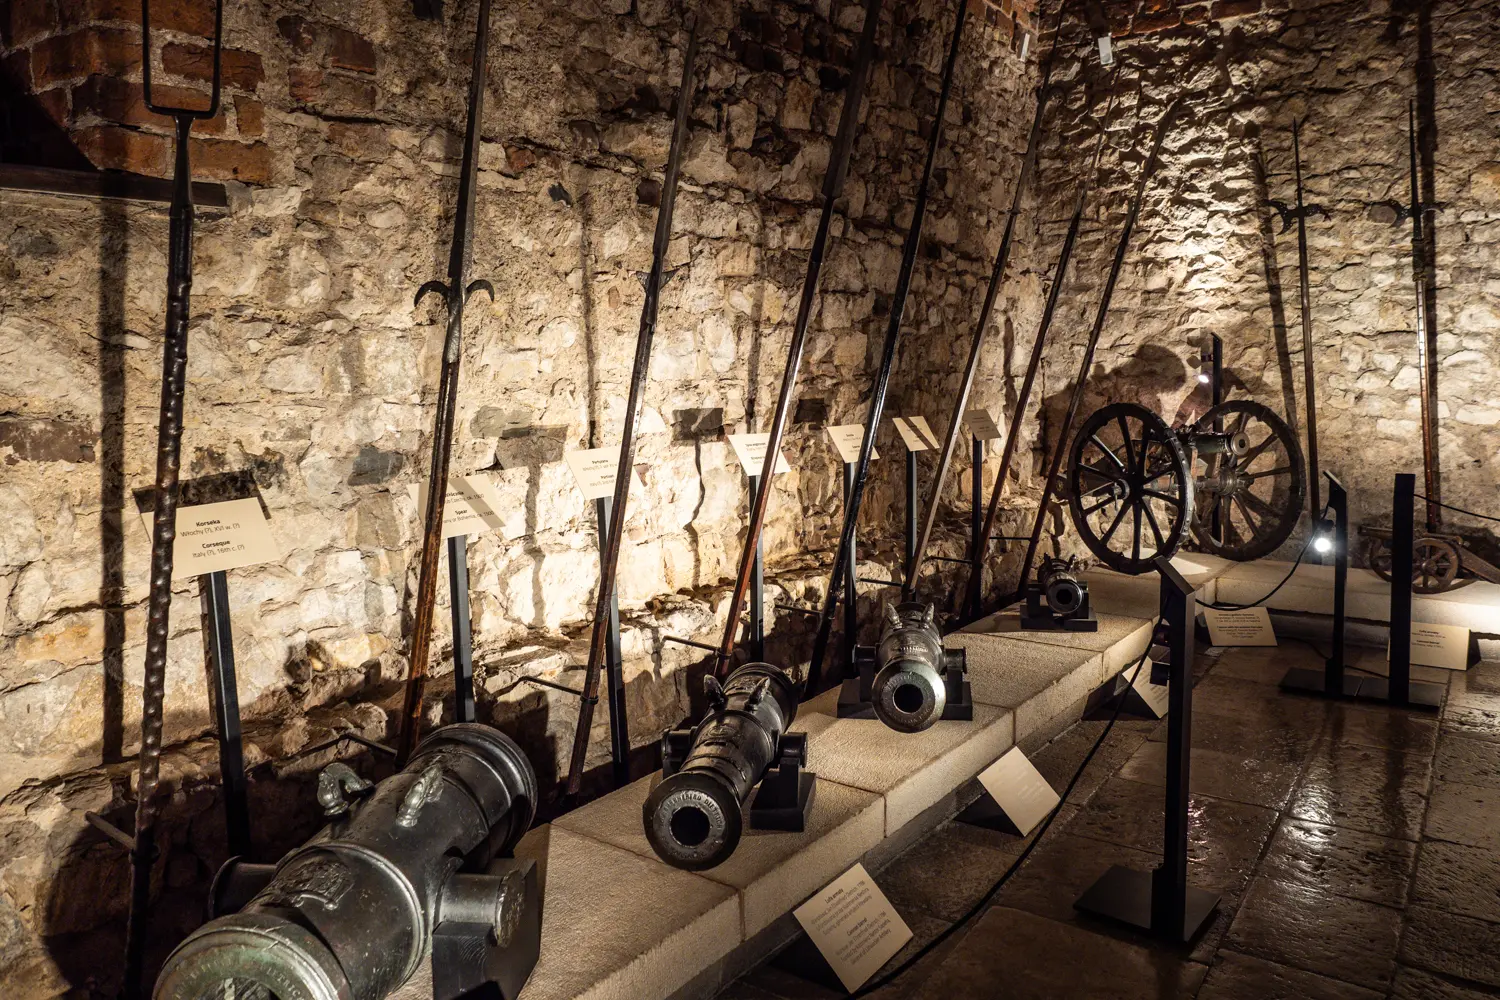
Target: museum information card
{"x":466,"y":510}
{"x":915,"y":433}
{"x":750,"y":449}
{"x":219,"y":536}
{"x":1019,"y":789}
{"x":1443,"y":646}
{"x":854,"y":926}
{"x":595,"y":470}
{"x":1240,"y":627}
{"x":847,"y":439}
{"x":982,"y":425}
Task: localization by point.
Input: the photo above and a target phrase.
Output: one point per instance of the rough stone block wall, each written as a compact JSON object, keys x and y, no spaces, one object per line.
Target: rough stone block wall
{"x":312,"y":372}
{"x":1211,"y":257}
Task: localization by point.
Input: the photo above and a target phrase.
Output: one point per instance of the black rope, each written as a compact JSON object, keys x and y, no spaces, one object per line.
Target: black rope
{"x":1226,"y":606}
{"x":985,"y":900}
{"x":1456,"y":510}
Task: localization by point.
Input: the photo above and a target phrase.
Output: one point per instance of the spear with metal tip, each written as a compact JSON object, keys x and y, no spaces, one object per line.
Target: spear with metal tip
{"x":455,"y":293}
{"x":643,"y":341}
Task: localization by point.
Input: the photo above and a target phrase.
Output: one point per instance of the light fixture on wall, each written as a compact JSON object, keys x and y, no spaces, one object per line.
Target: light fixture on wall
{"x":1204,"y":378}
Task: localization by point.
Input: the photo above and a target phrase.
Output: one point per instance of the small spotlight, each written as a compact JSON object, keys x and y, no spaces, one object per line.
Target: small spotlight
{"x":1204,"y":378}
{"x":1322,"y":540}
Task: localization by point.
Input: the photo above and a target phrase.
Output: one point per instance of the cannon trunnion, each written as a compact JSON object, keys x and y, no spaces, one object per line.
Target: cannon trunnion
{"x":414,"y":863}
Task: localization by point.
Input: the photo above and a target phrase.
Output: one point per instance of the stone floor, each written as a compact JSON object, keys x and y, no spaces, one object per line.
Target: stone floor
{"x":1357,"y":851}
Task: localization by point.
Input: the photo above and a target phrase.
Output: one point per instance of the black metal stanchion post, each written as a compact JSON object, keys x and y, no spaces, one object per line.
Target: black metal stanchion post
{"x":1331,"y":680}
{"x":220,"y":646}
{"x":463,"y":638}
{"x":757,"y":589}
{"x":1402,"y":541}
{"x":1216,"y":396}
{"x":977,"y":544}
{"x":614,"y":667}
{"x":851,"y":593}
{"x":911,"y":507}
{"x":1399,"y":688}
{"x":1161,"y":902}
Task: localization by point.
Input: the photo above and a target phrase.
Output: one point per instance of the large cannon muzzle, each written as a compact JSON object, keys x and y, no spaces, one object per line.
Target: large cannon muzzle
{"x":402,"y":865}
{"x":695,"y":816}
{"x":910,"y":690}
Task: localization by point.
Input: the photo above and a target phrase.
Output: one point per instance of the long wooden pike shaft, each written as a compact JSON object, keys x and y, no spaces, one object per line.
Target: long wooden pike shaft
{"x":1419,"y":273}
{"x":1081,"y":382}
{"x":833,"y":186}
{"x":645,"y":336}
{"x":887,"y":357}
{"x":456,"y":292}
{"x":1304,"y":297}
{"x":981,"y":328}
{"x":1013,"y":430}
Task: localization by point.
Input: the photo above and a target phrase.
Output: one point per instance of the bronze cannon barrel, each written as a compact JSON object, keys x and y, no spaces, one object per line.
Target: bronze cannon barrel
{"x":402,"y":867}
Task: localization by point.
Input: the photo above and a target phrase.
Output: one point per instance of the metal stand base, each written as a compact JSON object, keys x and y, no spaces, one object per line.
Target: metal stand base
{"x":1124,"y":895}
{"x":786,"y":792}
{"x":1305,"y":680}
{"x":1037,"y":616}
{"x":960,"y":706}
{"x":854,"y":693}
{"x":1418,"y":693}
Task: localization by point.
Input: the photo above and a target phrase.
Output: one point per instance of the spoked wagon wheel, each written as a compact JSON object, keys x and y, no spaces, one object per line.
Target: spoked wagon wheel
{"x":1129,"y":488}
{"x":1378,"y":557}
{"x":1434,"y":565}
{"x":1251,"y":491}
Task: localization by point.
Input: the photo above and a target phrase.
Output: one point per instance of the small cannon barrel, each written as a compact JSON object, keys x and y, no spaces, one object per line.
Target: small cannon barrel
{"x":695,"y":815}
{"x":910,"y":689}
{"x":403,"y":866}
{"x":1060,"y":586}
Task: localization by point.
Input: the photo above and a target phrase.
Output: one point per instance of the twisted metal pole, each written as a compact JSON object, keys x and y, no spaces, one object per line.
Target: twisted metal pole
{"x":981,"y":328}
{"x":1080,"y":384}
{"x":833,"y":186}
{"x":455,"y":293}
{"x":883,"y":373}
{"x":644,"y":338}
{"x":1013,"y":430}
{"x":164,"y":514}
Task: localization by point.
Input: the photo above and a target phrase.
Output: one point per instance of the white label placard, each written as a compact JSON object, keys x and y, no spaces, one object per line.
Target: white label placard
{"x":466,"y":510}
{"x":982,"y":425}
{"x":1242,"y":627}
{"x":595,"y":470}
{"x":1443,"y":646}
{"x":915,"y":433}
{"x":847,"y":440}
{"x":854,"y":926}
{"x":1019,"y":789}
{"x":1154,"y":695}
{"x":750,"y":449}
{"x":219,"y":536}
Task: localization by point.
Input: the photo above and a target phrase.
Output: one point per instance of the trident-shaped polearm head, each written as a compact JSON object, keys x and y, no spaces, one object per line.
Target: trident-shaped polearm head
{"x":447,"y":395}
{"x":1290,"y":214}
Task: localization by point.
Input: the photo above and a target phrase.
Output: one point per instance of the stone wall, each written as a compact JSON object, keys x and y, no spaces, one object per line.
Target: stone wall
{"x":1210,"y":256}
{"x":311,"y":370}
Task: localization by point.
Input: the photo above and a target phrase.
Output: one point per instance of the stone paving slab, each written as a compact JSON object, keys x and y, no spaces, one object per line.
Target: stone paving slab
{"x":1035,"y":680}
{"x":772,"y":871}
{"x":1140,"y":596}
{"x":615,"y":925}
{"x":911,"y":771}
{"x":1121,"y":638}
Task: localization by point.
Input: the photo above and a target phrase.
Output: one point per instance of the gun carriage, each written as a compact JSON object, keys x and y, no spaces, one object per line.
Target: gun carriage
{"x":1137,"y":488}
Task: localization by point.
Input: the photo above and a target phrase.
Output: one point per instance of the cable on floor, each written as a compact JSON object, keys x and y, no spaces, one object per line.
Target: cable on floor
{"x":985,"y":900}
{"x":1226,"y":606}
